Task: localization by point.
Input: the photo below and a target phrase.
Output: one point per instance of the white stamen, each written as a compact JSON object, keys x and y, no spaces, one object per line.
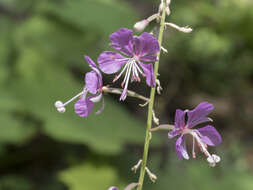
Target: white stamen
{"x":193,"y":148}
{"x":127,"y":77}
{"x":138,"y":68}
{"x":212,"y":160}
{"x":123,"y":70}
{"x":128,"y":71}
{"x":61,"y":106}
{"x":135,"y":73}
{"x":202,"y":145}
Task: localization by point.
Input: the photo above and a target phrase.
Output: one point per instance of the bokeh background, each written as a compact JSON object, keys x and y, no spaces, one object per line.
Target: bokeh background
{"x":42,"y":43}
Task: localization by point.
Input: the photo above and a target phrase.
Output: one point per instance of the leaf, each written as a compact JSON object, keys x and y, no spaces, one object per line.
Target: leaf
{"x":89,"y":177}
{"x":104,"y":133}
{"x":91,"y":14}
{"x":13,"y":182}
{"x":13,"y":130}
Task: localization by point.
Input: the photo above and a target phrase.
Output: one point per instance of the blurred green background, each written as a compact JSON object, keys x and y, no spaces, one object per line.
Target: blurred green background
{"x":42,"y":43}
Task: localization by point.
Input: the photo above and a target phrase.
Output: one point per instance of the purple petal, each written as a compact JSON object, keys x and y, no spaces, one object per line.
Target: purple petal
{"x":122,"y":40}
{"x":198,"y":115}
{"x":83,"y":107}
{"x":97,"y":98}
{"x":179,"y":123}
{"x":149,"y":73}
{"x":92,"y":82}
{"x":209,"y":135}
{"x":101,"y":108}
{"x":173,"y":133}
{"x":181,"y":149}
{"x":146,"y":44}
{"x":90,"y":62}
{"x":149,"y":58}
{"x":179,"y":119}
{"x":113,"y":188}
{"x":111,"y":62}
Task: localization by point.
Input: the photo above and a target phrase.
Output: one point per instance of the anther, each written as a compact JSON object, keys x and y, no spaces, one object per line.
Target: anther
{"x":60,"y":106}
{"x":212,"y":160}
{"x":115,"y":78}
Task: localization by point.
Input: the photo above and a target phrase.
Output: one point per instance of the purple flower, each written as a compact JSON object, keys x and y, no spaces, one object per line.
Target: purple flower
{"x":113,"y":188}
{"x":135,"y":50}
{"x":93,"y":85}
{"x":205,"y":136}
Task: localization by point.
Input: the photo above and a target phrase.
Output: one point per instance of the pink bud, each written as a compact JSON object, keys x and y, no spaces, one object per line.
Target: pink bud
{"x":141,"y":25}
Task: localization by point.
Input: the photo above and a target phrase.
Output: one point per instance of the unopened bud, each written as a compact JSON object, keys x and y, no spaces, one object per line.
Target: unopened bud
{"x":181,"y":29}
{"x":167,"y":11}
{"x":152,"y":176}
{"x":113,"y":188}
{"x":141,"y":25}
{"x":168,"y":2}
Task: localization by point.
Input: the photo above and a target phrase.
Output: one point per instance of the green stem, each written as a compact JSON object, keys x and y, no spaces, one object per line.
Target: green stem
{"x":151,"y":103}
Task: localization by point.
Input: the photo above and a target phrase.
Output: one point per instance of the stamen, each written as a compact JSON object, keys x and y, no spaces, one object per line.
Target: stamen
{"x":61,"y":106}
{"x":202,"y":145}
{"x":135,"y":74}
{"x":193,"y":148}
{"x":138,"y":68}
{"x":123,"y":70}
{"x":128,"y":72}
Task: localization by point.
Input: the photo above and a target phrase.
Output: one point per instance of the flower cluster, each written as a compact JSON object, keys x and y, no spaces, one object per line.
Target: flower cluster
{"x":134,"y":58}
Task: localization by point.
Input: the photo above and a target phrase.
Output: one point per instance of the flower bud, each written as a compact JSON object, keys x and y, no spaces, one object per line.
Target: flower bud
{"x":141,"y":25}
{"x":113,"y":188}
{"x":167,"y":11}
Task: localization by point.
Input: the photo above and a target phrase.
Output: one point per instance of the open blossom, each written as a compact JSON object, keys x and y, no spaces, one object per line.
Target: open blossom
{"x":204,"y":137}
{"x":134,"y":51}
{"x":93,"y":85}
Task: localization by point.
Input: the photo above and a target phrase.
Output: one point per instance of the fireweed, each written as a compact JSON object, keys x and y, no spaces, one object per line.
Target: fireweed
{"x":93,"y":85}
{"x":135,"y":57}
{"x":135,"y":50}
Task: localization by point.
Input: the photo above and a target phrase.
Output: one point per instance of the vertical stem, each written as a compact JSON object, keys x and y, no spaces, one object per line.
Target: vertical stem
{"x":151,"y":103}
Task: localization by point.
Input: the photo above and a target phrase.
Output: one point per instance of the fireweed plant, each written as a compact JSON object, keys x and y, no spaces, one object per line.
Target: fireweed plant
{"x":134,"y":58}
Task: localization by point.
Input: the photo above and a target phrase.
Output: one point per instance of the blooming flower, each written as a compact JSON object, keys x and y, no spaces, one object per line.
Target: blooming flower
{"x":93,"y":85}
{"x":135,"y":50}
{"x":205,"y":136}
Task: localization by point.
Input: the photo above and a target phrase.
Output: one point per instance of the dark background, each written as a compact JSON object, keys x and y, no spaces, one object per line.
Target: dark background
{"x":42,"y":43}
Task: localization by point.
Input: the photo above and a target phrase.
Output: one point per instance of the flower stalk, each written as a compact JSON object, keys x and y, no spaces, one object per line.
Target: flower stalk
{"x":151,"y":102}
{"x":131,"y":93}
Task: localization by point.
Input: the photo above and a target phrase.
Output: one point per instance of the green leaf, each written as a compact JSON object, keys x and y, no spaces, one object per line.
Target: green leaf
{"x":89,"y":177}
{"x":14,"y":130}
{"x":104,"y":133}
{"x":91,"y":14}
{"x":12,"y":182}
